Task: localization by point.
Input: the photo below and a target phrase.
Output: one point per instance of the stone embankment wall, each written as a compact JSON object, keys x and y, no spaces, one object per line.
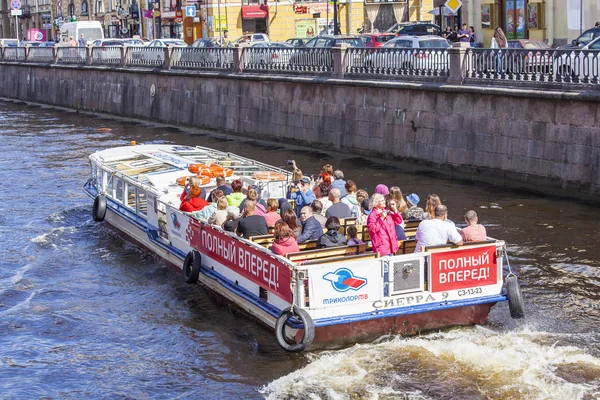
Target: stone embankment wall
{"x":539,"y":140}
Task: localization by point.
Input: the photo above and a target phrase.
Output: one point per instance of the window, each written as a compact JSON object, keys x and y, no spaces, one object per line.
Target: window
{"x":84,"y":8}
{"x":130,"y":196}
{"x":99,"y":7}
{"x":109,"y":184}
{"x":586,"y":37}
{"x":71,"y":10}
{"x":119,"y":189}
{"x":142,"y":202}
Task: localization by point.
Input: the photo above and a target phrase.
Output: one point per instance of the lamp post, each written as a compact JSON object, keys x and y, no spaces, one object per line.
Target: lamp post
{"x":336,"y":30}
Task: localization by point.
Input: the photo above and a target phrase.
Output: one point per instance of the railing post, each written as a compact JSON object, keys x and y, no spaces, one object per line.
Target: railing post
{"x":457,"y":62}
{"x":2,"y":52}
{"x":238,"y":61}
{"x":55,"y":53}
{"x":168,"y":57}
{"x":88,"y":55}
{"x":123,"y":53}
{"x":27,"y":49}
{"x":339,"y":60}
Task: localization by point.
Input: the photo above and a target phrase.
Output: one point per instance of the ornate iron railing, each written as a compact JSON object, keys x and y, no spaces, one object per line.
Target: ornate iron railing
{"x":71,"y":55}
{"x":202,"y":58}
{"x":389,"y":62}
{"x":110,"y":55}
{"x":14,"y":54}
{"x":271,"y":59}
{"x":316,"y":60}
{"x":41,"y":54}
{"x":140,"y":56}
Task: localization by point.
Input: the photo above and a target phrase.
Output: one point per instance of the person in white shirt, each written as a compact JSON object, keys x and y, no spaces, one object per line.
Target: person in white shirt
{"x":435,"y":232}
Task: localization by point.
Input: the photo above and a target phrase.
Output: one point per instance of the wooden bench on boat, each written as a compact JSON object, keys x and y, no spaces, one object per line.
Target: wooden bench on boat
{"x":327,"y":252}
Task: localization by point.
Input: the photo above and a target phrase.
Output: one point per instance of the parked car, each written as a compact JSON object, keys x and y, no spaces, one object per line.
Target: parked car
{"x":252,"y":37}
{"x":9,"y":42}
{"x":205,"y":43}
{"x":203,"y":51}
{"x":538,"y":58}
{"x":583,"y":39}
{"x":32,"y":43}
{"x":297,"y":42}
{"x":153,"y":54}
{"x":265,"y":53}
{"x":420,"y":52}
{"x":307,"y":58}
{"x":579,"y":64}
{"x":414,"y":29}
{"x":376,"y":40}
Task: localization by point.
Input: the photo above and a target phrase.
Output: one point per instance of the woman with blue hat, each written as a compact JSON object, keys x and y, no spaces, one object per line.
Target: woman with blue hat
{"x":414,"y":212}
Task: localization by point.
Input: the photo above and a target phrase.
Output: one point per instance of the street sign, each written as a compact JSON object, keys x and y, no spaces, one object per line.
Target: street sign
{"x":15,"y":4}
{"x":453,"y":5}
{"x":16,"y":13}
{"x":190,"y":11}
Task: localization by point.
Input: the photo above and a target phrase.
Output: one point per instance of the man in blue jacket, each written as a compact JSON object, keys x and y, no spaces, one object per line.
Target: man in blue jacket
{"x":301,"y":194}
{"x":339,"y":182}
{"x":311,"y":228}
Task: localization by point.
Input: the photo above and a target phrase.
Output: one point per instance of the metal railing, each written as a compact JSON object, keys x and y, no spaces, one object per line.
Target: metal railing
{"x":110,"y":55}
{"x":140,"y":56}
{"x":476,"y":64}
{"x":387,"y":62}
{"x":71,"y":55}
{"x":202,"y":58}
{"x":544,"y":65}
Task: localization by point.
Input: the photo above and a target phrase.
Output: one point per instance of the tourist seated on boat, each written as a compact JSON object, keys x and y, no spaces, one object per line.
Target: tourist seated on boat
{"x":363,"y":199}
{"x":209,"y":210}
{"x":382,"y":189}
{"x":474,"y":232}
{"x":192,"y":201}
{"x":285,"y":240}
{"x":251,"y":224}
{"x":220,"y":214}
{"x":222,"y":186}
{"x":352,"y":236}
{"x":332,"y":237}
{"x":433,"y":200}
{"x":233,"y":218}
{"x":350,"y":199}
{"x":192,"y":181}
{"x":261,"y":205}
{"x":317,"y":209}
{"x":272,"y":215}
{"x":381,"y":225}
{"x":284,"y":205}
{"x":322,"y":190}
{"x":301,"y":193}
{"x":436,"y":231}
{"x":396,"y":194}
{"x":311,"y":228}
{"x":414,"y":212}
{"x":337,"y":209}
{"x":236,"y":196}
{"x":327,"y":173}
{"x":323,"y":196}
{"x":289,"y":217}
{"x":338,"y":182}
{"x":398,"y":227}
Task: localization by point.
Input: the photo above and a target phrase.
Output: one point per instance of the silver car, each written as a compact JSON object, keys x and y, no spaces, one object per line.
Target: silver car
{"x":582,"y":65}
{"x":426,"y":52}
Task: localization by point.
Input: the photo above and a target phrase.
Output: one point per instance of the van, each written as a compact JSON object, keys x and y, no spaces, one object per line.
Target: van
{"x":9,"y":42}
{"x":92,"y":30}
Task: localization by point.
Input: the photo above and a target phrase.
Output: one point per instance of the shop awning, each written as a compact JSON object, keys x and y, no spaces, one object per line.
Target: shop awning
{"x":255,"y":11}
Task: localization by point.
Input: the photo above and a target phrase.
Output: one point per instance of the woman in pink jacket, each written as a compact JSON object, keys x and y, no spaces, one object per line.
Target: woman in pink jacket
{"x":285,"y":240}
{"x":381,"y":224}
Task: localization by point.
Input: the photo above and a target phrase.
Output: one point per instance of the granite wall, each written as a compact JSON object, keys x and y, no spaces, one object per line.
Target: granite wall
{"x":540,"y":140}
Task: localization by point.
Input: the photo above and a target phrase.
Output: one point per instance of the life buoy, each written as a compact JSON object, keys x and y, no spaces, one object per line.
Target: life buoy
{"x":191,"y":267}
{"x":182,"y":181}
{"x":216,"y":169}
{"x":227,"y":172}
{"x":99,"y":208}
{"x":515,"y":300}
{"x":309,"y":330}
{"x":268,"y":176}
{"x":194,"y":168}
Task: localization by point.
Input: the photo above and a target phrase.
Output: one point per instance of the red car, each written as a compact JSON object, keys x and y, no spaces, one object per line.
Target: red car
{"x":376,"y":39}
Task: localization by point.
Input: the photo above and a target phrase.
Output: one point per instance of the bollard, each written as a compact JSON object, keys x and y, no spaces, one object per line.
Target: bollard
{"x":457,"y":63}
{"x":88,"y":55}
{"x":340,"y":60}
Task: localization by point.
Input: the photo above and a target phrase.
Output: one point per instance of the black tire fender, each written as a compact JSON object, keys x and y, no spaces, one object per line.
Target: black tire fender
{"x":191,"y":267}
{"x":99,"y":208}
{"x":309,"y":330}
{"x":515,"y":299}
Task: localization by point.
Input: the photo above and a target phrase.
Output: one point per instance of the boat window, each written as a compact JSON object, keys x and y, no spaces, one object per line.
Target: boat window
{"x":96,"y":178}
{"x":119,"y":189}
{"x":130,"y":195}
{"x":142,"y":202}
{"x":109,"y":184}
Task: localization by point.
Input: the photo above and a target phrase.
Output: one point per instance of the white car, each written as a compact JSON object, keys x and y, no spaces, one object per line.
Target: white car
{"x":252,"y":38}
{"x":579,"y":64}
{"x":427,"y":52}
{"x":263,"y":53}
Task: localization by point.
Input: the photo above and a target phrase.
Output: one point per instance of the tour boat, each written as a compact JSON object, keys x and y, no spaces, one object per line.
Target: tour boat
{"x":317,"y":298}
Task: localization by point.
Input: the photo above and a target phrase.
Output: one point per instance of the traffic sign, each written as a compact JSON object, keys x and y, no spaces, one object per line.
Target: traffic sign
{"x":16,"y":13}
{"x":190,"y":11}
{"x":15,"y":4}
{"x":453,"y":5}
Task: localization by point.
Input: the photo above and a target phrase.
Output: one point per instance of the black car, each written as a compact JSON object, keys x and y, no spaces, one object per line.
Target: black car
{"x":317,"y":51}
{"x":332,"y":41}
{"x":297,"y":42}
{"x":211,"y":42}
{"x":583,"y":39}
{"x":414,"y":29}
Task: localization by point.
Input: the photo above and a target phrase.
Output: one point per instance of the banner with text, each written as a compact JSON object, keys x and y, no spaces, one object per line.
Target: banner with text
{"x":463,"y":268}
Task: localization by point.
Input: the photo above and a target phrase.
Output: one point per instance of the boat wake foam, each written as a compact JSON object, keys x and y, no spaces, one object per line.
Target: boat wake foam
{"x":461,"y":363}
